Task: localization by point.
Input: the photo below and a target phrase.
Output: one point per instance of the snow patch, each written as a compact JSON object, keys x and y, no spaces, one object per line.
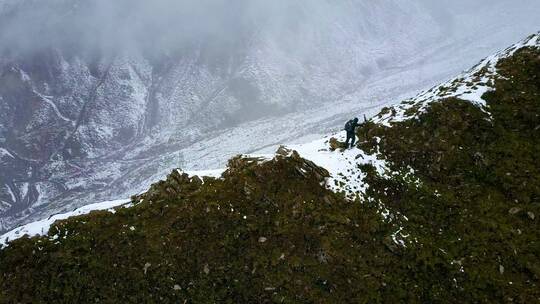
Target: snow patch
{"x":470,"y":86}
{"x":345,"y":175}
{"x":5,"y":153}
{"x":210,"y":173}
{"x":47,"y":99}
{"x":11,"y":194}
{"x":41,"y":228}
{"x":24,"y":76}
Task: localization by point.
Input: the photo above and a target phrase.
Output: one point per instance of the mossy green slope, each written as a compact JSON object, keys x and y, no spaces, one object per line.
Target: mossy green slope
{"x":269,"y":231}
{"x":475,"y":211}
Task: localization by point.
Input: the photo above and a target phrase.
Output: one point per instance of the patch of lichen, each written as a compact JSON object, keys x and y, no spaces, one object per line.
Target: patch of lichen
{"x":474,"y":212}
{"x":267,"y":232}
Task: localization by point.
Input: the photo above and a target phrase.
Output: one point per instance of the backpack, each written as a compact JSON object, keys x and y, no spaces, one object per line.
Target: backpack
{"x":349,"y":126}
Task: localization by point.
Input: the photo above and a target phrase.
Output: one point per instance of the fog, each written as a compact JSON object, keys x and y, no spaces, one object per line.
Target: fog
{"x":31,"y":25}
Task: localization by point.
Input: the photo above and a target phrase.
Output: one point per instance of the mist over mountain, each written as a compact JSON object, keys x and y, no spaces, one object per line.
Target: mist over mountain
{"x":167,"y":25}
{"x":437,"y":202}
{"x":100,"y":98}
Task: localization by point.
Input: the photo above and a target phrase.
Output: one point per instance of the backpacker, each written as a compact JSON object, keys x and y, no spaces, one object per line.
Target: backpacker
{"x":349,"y":126}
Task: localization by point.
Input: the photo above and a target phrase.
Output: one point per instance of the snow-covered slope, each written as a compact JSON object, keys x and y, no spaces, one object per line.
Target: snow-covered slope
{"x":470,"y":86}
{"x":342,"y":165}
{"x":79,"y":128}
{"x":442,"y":189}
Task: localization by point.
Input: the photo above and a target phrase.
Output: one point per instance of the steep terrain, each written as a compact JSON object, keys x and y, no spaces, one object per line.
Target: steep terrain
{"x":94,"y":110}
{"x":438,"y":203}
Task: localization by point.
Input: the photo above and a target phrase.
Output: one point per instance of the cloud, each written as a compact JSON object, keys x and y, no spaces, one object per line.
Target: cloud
{"x":162,"y":26}
{"x":32,"y":25}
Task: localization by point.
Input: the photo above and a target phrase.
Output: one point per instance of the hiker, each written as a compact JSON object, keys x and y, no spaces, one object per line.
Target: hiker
{"x":350,"y":127}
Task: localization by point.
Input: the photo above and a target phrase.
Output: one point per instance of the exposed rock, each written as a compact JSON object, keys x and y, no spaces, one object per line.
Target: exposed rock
{"x":514,"y":210}
{"x":306,"y":167}
{"x":146,"y":266}
{"x":335,"y":144}
{"x":176,"y":185}
{"x":327,"y":200}
{"x":240,"y":163}
{"x":283,"y":151}
{"x":196,"y":181}
{"x":391,"y":245}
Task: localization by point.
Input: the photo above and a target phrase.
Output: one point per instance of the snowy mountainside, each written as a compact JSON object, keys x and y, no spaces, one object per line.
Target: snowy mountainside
{"x":95,"y":125}
{"x":343,"y":166}
{"x":447,"y":199}
{"x":470,"y":86}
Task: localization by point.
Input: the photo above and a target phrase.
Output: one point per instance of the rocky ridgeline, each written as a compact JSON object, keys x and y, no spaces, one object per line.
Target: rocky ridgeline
{"x":178,"y":185}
